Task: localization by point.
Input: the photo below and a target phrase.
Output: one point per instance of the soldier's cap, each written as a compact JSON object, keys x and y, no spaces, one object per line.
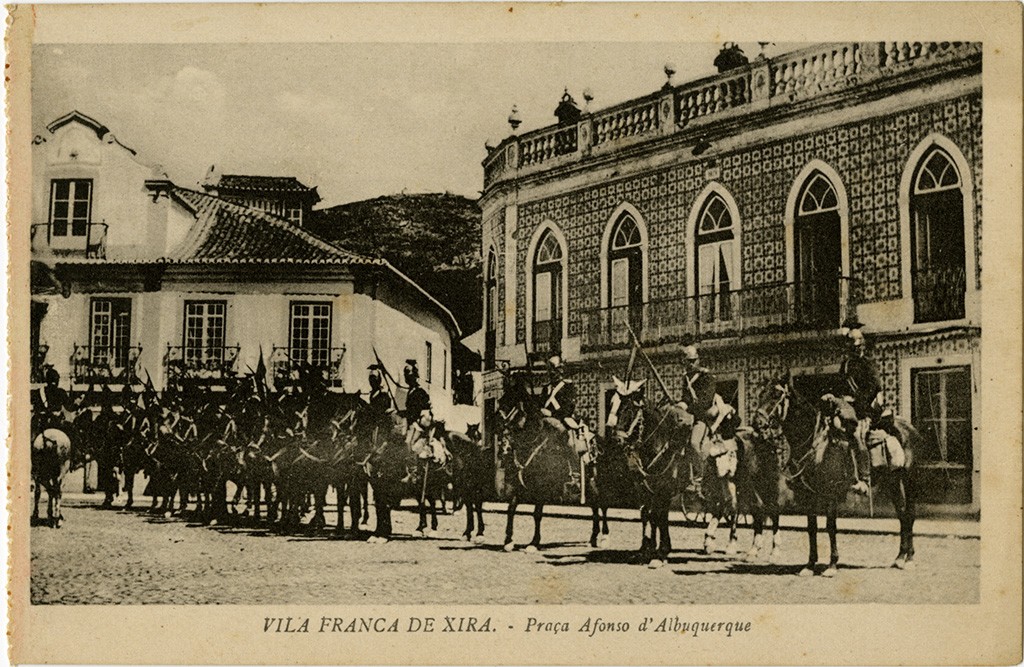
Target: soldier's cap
{"x":690,"y":353}
{"x":374,"y":367}
{"x":555,"y":361}
{"x":411,"y":362}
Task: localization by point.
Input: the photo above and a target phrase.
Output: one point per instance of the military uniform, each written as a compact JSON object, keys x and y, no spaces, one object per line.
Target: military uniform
{"x":559,"y":408}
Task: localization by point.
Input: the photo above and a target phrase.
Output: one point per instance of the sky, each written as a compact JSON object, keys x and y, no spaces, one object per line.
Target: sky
{"x":356,"y":120}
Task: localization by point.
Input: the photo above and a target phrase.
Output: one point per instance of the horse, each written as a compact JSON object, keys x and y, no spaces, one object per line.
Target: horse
{"x":723,"y":457}
{"x":51,"y":460}
{"x":761,"y":478}
{"x":395,"y":473}
{"x":609,"y":483}
{"x":825,"y":469}
{"x":538,"y":463}
{"x":472,"y":478}
{"x":656,"y":441}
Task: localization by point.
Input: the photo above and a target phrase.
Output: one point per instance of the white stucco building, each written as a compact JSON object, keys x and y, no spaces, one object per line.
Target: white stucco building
{"x":134,"y":275}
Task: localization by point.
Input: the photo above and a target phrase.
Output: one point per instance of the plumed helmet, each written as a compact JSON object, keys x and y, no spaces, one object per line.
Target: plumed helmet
{"x":555,"y":361}
{"x":690,"y":353}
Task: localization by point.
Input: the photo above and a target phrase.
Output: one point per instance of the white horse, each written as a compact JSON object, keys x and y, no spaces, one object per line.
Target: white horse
{"x":51,"y":460}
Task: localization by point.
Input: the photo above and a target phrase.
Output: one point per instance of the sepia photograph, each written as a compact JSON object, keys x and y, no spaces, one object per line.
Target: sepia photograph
{"x":358,"y":324}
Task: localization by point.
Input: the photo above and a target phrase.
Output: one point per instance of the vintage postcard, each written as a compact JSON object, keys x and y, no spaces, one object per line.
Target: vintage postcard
{"x":515,"y":333}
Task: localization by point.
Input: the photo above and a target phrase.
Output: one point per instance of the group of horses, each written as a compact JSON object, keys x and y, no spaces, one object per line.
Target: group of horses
{"x":282,"y":452}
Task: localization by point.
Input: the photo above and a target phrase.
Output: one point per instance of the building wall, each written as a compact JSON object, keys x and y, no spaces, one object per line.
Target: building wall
{"x":869,"y":156}
{"x":868,"y":149}
{"x":118,"y":194}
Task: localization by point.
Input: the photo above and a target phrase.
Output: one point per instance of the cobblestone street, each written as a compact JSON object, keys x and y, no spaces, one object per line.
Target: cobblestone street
{"x":117,"y":557}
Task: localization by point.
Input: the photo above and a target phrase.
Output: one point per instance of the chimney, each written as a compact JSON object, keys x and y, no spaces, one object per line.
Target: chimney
{"x":568,"y":111}
{"x":730,"y":57}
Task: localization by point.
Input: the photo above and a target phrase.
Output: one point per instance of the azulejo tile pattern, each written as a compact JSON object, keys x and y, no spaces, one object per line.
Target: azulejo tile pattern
{"x":869,"y":157}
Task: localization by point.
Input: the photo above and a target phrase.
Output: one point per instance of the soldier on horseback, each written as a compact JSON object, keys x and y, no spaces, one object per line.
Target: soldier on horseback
{"x":424,"y":435}
{"x":862,"y":411}
{"x":559,"y":409}
{"x":49,"y":402}
{"x":699,"y":397}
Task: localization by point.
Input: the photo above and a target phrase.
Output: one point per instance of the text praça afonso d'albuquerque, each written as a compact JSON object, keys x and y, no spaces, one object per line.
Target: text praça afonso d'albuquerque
{"x":591,"y":626}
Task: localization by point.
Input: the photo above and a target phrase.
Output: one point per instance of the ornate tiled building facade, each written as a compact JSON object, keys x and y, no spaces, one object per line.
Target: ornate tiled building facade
{"x":874,"y":121}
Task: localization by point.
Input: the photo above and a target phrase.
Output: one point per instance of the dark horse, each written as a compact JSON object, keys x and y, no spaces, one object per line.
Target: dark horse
{"x":538,"y":465}
{"x":655,"y":439}
{"x":609,"y":483}
{"x":765,"y":455}
{"x":823,"y":470}
{"x":472,"y":477}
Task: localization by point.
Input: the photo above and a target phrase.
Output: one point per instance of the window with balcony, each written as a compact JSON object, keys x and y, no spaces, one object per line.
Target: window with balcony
{"x":625,"y":278}
{"x":309,"y":337}
{"x":937,"y":239}
{"x":70,"y":207}
{"x":547,"y":294}
{"x":204,"y":340}
{"x":110,"y":332}
{"x":818,"y":252}
{"x":715,"y":243}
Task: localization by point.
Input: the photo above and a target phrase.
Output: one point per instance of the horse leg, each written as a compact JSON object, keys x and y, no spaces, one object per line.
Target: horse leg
{"x":898,"y":491}
{"x":604,"y":524}
{"x":646,"y":543}
{"x":129,"y":483}
{"x":595,"y":528}
{"x":830,"y":525}
{"x":468,"y":534}
{"x":55,"y":493}
{"x":773,"y":554}
{"x":755,"y":547}
{"x":812,"y":539}
{"x":478,"y":506}
{"x":35,"y":507}
{"x":364,"y":495}
{"x":709,"y":533}
{"x":662,"y":542}
{"x":734,"y":518}
{"x":510,"y":524}
{"x":433,"y":512}
{"x":538,"y":514}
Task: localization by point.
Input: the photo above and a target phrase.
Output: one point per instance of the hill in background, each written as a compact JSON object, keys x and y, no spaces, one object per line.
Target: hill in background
{"x":432,"y":238}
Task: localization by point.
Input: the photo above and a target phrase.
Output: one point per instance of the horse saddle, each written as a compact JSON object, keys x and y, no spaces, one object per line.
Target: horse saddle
{"x":885,"y":449}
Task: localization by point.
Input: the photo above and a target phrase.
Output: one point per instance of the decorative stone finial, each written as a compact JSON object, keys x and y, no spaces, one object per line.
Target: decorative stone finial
{"x":513,"y":118}
{"x":670,"y":72}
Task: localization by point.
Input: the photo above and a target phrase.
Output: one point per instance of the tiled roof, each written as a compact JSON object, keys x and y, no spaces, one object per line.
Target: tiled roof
{"x":261,"y":183}
{"x":232,"y":233}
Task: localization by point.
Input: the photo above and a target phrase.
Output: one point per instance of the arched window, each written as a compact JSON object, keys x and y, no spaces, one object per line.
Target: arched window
{"x":490,"y":309}
{"x":625,"y":277}
{"x":818,"y":252}
{"x":937,"y":239}
{"x":547,"y":294}
{"x":715,"y":243}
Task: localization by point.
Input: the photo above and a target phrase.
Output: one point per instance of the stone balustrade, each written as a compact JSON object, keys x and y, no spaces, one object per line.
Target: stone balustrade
{"x":621,"y":122}
{"x":785,"y":79}
{"x":712,"y":96}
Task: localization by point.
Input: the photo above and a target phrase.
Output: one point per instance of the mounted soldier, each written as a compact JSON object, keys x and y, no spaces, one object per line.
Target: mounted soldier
{"x":49,"y":402}
{"x":699,"y":397}
{"x":861,"y":410}
{"x":425,"y":436}
{"x":559,"y":409}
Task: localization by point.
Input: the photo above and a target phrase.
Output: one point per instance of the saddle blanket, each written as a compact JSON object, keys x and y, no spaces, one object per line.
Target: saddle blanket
{"x":886,"y":450}
{"x":725,"y":454}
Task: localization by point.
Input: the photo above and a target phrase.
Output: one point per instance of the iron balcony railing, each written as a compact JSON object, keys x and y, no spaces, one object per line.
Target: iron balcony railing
{"x":201,"y":363}
{"x":105,"y":364}
{"x":91,"y":244}
{"x":289,"y":363}
{"x":939,"y":294}
{"x":547,"y":337}
{"x":772,"y":308}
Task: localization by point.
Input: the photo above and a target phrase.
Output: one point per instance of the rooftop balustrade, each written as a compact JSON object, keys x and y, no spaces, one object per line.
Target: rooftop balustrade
{"x":764,"y":82}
